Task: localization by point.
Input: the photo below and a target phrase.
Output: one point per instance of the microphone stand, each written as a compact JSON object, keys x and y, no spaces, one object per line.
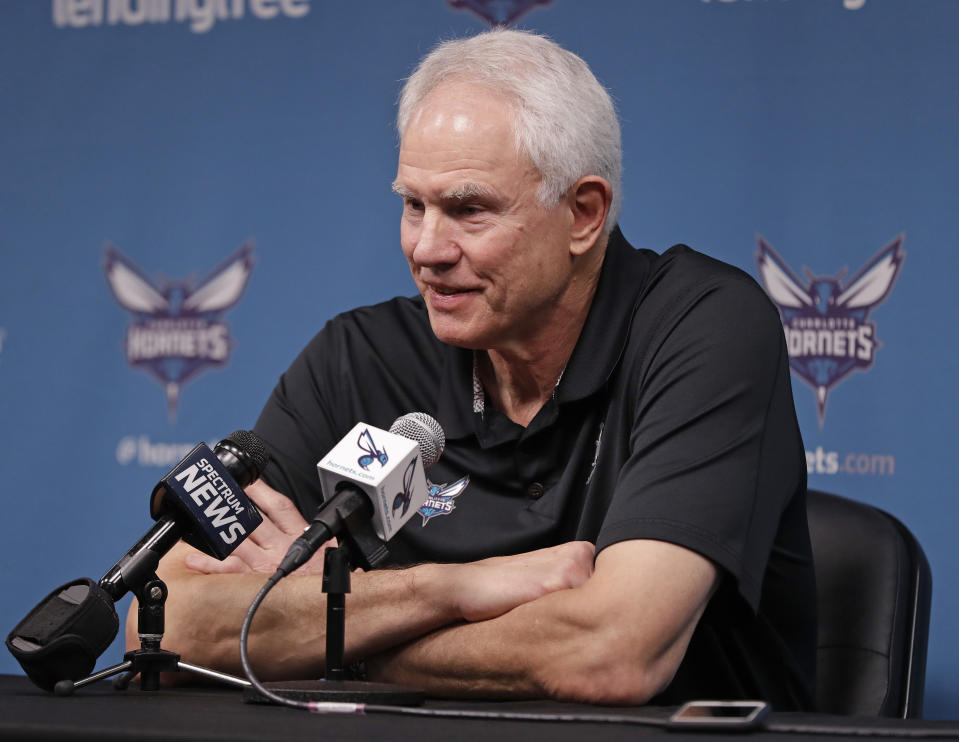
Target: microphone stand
{"x":336,"y":585}
{"x":61,"y":638}
{"x":150,"y":659}
{"x":351,"y":522}
{"x":136,"y":573}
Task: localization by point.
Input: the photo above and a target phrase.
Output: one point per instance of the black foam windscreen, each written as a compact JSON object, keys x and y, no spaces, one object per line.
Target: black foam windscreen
{"x":62,"y":637}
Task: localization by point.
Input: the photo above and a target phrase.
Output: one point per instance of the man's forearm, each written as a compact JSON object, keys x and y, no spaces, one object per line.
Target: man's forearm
{"x":616,"y":639}
{"x":386,"y":608}
{"x":288,"y":638}
{"x":468,"y":660}
{"x":516,"y":655}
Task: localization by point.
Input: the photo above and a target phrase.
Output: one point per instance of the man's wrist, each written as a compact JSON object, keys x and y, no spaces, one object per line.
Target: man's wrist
{"x":436,"y":587}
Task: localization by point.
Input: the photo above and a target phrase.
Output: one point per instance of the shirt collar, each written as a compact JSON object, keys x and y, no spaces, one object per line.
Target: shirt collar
{"x":455,"y":395}
{"x":605,"y":332}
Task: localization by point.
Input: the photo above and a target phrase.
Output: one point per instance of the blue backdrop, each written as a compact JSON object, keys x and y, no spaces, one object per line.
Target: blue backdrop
{"x":236,"y":156}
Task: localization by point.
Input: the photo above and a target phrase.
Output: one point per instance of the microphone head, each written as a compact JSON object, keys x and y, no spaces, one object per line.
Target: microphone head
{"x":241,"y":452}
{"x":244,"y":455}
{"x":423,"y":429}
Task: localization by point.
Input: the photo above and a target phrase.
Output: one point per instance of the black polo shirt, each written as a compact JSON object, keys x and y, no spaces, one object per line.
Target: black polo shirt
{"x":673,"y":420}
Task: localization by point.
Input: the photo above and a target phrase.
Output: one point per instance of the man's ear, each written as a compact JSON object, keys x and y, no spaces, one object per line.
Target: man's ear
{"x":590,"y":199}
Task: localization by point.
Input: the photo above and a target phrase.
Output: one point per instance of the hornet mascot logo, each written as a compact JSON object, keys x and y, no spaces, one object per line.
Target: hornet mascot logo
{"x":176,"y":332}
{"x":498,"y":12}
{"x":402,"y":499}
{"x":826,"y":319}
{"x":371,"y":452}
{"x":439,"y":501}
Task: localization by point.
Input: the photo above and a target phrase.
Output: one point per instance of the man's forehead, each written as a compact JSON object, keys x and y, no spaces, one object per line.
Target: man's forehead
{"x":460,"y":101}
{"x":459,"y":115}
{"x":460,"y":144}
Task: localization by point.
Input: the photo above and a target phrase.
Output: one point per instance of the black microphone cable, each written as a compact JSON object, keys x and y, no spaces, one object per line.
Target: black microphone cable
{"x":244,"y":650}
{"x":662,"y":722}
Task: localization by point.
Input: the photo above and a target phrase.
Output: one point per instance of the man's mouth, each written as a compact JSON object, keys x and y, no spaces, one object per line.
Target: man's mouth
{"x":448,"y":290}
{"x":448,"y":298}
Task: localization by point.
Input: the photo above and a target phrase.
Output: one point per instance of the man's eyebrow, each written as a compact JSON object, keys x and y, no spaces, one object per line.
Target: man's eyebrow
{"x":467,"y":191}
{"x":462,"y":192}
{"x":401,"y":190}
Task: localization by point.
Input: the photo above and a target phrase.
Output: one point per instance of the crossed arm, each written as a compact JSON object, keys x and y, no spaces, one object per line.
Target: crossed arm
{"x":545,"y":623}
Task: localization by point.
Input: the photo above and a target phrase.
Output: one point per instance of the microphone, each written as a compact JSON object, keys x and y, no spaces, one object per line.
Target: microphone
{"x":373,"y":481}
{"x":371,"y":477}
{"x":201,"y":500}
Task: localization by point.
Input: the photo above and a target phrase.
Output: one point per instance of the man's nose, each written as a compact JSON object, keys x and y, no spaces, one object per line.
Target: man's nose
{"x":436,"y":243}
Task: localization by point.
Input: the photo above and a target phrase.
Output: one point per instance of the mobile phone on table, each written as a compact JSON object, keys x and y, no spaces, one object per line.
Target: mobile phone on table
{"x":730,"y":715}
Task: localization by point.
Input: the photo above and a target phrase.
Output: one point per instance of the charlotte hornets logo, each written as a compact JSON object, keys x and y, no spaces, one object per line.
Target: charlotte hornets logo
{"x":177,"y":332}
{"x":440,"y":498}
{"x":498,"y":12}
{"x":371,"y":452}
{"x":826,"y":318}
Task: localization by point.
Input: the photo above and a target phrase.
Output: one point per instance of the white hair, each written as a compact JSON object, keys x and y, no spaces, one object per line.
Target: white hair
{"x":564,"y":121}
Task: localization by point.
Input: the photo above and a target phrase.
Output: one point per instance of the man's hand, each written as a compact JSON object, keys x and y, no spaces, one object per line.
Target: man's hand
{"x":265,"y":548}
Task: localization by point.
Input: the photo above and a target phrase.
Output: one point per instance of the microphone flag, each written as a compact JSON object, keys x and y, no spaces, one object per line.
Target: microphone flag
{"x":219,"y":513}
{"x":386,"y":466}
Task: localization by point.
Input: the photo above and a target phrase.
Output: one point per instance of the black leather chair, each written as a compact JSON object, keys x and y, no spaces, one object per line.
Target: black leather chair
{"x":874,"y":586}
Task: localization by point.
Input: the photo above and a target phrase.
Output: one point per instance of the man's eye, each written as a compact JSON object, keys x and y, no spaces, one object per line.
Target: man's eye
{"x":414,"y":205}
{"x":470,"y":209}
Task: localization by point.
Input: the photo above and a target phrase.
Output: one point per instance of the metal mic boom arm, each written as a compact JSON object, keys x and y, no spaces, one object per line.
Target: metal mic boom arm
{"x":138,"y":566}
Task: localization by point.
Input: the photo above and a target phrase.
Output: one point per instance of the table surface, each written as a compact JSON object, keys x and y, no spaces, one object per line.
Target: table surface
{"x":210,"y":713}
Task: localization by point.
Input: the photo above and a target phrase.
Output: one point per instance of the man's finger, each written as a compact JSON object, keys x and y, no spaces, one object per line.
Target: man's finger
{"x":277,"y":507}
{"x":267,"y":536}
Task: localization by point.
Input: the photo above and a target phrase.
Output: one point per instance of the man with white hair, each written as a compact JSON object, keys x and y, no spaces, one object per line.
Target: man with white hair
{"x":620,"y":509}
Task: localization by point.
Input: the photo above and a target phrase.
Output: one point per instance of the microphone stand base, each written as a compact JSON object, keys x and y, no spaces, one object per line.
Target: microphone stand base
{"x":149,"y":660}
{"x":148,"y":664}
{"x":339,"y":691}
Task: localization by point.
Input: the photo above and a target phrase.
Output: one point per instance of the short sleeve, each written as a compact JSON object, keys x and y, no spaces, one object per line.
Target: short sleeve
{"x":714,"y":452}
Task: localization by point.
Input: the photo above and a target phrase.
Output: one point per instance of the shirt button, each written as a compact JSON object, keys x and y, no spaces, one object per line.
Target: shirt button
{"x":535,"y":491}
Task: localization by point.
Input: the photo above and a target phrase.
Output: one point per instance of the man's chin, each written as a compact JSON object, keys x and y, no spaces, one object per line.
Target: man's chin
{"x":459,"y":341}
{"x":458,"y":336}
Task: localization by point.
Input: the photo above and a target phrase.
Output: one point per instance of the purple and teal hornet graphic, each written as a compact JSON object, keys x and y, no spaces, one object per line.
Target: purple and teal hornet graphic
{"x":826,"y":318}
{"x":402,"y":500}
{"x":177,"y":331}
{"x":371,"y":452}
{"x":439,"y":501}
{"x":498,"y":12}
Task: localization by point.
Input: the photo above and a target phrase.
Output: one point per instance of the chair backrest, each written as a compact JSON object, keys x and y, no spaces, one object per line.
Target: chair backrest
{"x":874,"y":587}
